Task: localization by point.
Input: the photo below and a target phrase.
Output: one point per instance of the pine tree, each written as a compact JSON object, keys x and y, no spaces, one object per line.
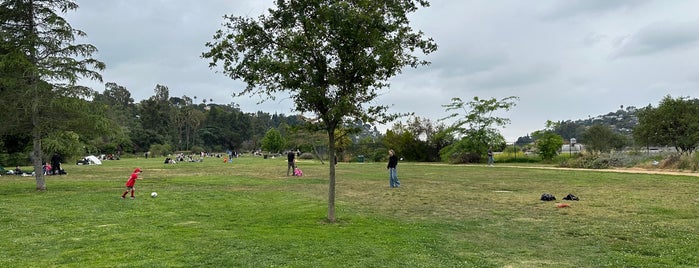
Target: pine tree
{"x":36,"y":35}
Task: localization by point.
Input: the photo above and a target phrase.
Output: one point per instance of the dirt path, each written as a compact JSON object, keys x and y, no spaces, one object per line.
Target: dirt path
{"x":620,"y":170}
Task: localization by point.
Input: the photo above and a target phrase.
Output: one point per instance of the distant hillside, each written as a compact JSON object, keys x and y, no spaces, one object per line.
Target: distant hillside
{"x":621,"y":121}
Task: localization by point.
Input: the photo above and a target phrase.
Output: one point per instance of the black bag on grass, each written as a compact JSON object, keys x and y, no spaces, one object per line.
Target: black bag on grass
{"x":547,"y":197}
{"x":571,"y":197}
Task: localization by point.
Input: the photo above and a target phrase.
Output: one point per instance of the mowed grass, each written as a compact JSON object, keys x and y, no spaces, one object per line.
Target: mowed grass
{"x":250,"y":214}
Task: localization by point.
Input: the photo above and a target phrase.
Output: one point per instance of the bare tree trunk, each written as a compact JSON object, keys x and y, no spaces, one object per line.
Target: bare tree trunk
{"x":36,"y":157}
{"x":315,"y":151}
{"x":34,"y":81}
{"x":36,"y":154}
{"x":331,"y":186}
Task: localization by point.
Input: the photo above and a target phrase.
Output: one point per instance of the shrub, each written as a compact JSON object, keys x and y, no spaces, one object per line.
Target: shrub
{"x":160,"y":149}
{"x":593,"y":161}
{"x":379,"y":155}
{"x":464,"y":158}
{"x":307,"y":156}
{"x":509,"y":157}
{"x":680,"y":161}
{"x":15,"y":159}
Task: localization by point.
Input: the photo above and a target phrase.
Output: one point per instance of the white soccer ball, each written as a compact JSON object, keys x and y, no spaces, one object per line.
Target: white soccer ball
{"x":153,"y":194}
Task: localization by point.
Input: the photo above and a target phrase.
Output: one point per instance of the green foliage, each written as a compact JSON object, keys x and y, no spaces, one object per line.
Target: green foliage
{"x":226,"y":127}
{"x":571,"y":129}
{"x":512,"y":149}
{"x":14,"y":159}
{"x":406,"y":145}
{"x":548,"y":144}
{"x":378,"y":155}
{"x":680,"y":161}
{"x":511,"y":157}
{"x":418,"y":140}
{"x":144,"y":138}
{"x":673,"y":161}
{"x":600,"y":138}
{"x":329,"y":67}
{"x":273,"y":141}
{"x":477,"y":125}
{"x":155,"y":113}
{"x":462,"y":151}
{"x":160,"y":150}
{"x":675,"y":122}
{"x":342,"y":140}
{"x":478,"y":114}
{"x":46,"y":80}
{"x":593,"y":161}
{"x":66,"y":144}
{"x":371,"y":147}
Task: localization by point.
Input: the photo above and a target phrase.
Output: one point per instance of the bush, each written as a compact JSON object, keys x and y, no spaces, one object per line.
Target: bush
{"x":307,"y":156}
{"x":160,"y":150}
{"x":197,"y":149}
{"x":509,"y":157}
{"x":15,"y":159}
{"x":591,"y":161}
{"x":602,"y":161}
{"x":464,"y":158}
{"x":378,"y":155}
{"x":680,"y":161}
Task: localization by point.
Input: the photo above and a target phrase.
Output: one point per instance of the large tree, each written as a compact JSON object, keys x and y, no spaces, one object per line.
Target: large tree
{"x":273,"y":142}
{"x":675,"y":122}
{"x":547,"y":141}
{"x":331,"y":56}
{"x":601,"y":138}
{"x":121,"y":110}
{"x":35,"y":30}
{"x":475,"y":125}
{"x":418,"y":140}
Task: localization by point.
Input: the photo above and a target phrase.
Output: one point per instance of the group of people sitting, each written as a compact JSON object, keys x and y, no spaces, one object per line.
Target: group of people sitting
{"x":54,"y":169}
{"x":183,"y":158}
{"x":46,"y":169}
{"x":16,"y":171}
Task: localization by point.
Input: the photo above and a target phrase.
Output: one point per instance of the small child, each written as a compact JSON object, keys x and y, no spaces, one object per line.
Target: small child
{"x":130,"y":184}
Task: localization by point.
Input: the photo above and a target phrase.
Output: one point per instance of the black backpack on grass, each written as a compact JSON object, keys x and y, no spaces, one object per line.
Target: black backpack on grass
{"x":547,"y":197}
{"x":571,"y":197}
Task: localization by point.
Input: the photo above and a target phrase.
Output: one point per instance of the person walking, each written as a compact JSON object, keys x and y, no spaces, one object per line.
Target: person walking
{"x":392,"y":172}
{"x":130,"y":184}
{"x":491,"y":160}
{"x":290,"y":165}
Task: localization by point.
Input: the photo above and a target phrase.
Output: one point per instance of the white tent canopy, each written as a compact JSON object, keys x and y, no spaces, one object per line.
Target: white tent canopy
{"x":93,"y":160}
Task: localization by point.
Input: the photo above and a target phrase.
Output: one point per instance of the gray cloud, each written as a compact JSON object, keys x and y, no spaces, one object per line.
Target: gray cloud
{"x":564,"y":59}
{"x":572,"y":8}
{"x":660,"y":37}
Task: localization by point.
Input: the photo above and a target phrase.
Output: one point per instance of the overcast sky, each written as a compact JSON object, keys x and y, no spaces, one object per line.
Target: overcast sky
{"x":564,"y":59}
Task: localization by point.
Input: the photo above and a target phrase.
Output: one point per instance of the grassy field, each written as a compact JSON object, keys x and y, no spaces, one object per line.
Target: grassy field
{"x":250,"y":214}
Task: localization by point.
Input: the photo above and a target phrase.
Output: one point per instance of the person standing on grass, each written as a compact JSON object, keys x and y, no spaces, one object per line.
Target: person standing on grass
{"x":392,"y":172}
{"x":130,"y":184}
{"x":490,"y":156}
{"x":290,"y":165}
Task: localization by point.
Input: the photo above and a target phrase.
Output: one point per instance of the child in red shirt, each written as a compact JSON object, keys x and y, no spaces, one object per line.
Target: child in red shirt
{"x":130,"y":183}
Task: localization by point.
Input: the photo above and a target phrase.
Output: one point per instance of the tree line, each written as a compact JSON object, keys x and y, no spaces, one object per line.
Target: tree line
{"x":673,"y":123}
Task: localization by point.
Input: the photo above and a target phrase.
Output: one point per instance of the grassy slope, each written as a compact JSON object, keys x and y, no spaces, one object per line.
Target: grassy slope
{"x":250,"y":214}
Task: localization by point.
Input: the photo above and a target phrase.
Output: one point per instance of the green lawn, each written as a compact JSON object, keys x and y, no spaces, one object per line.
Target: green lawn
{"x":250,"y":214}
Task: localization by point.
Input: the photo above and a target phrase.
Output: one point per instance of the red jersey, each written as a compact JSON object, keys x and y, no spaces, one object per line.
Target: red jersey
{"x":132,"y":179}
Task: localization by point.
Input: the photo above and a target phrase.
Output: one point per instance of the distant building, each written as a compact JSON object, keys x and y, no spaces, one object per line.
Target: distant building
{"x":577,"y":148}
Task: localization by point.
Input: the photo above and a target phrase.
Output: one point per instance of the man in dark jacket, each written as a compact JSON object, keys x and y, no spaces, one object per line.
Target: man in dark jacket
{"x":290,"y":157}
{"x":392,"y":172}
